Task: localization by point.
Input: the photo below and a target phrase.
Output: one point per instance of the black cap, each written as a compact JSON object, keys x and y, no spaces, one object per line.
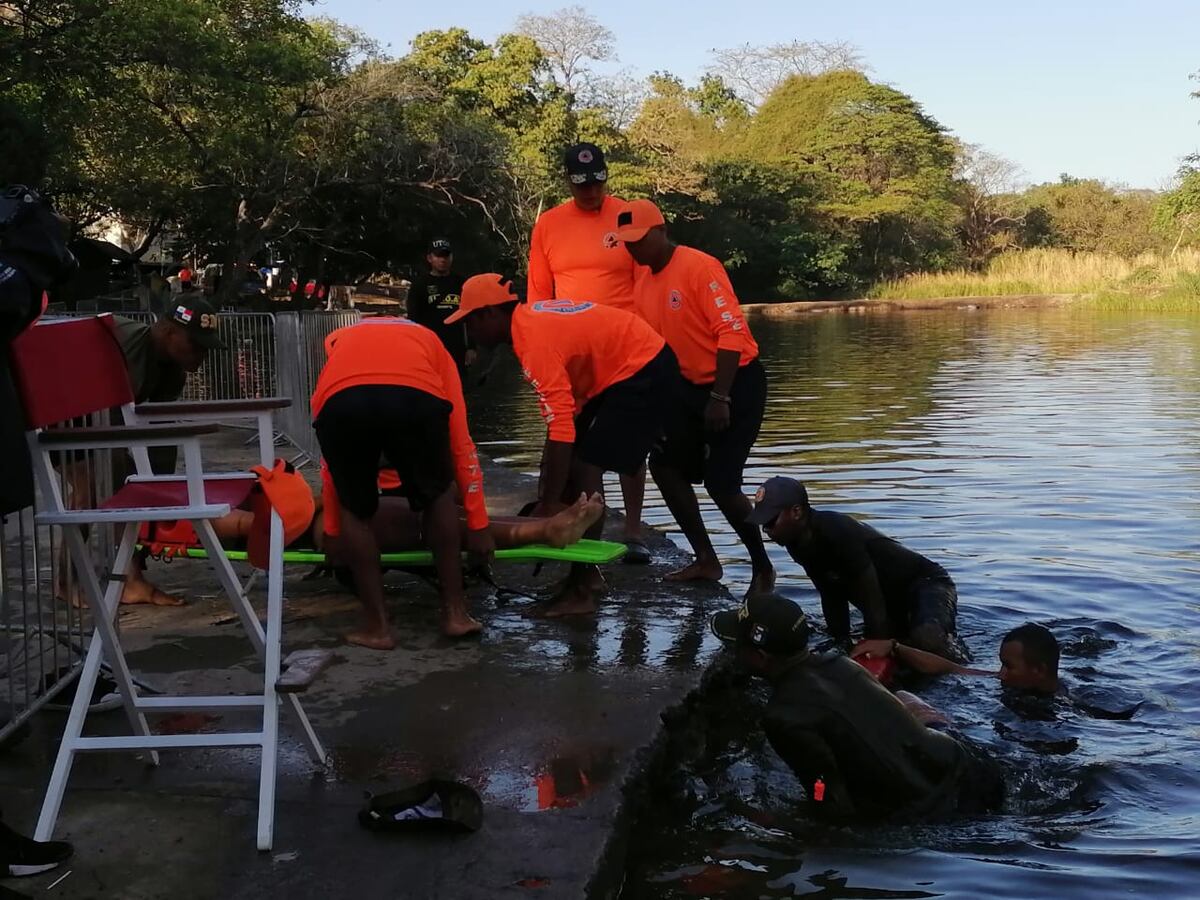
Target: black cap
{"x":776,"y":495}
{"x":199,"y":318}
{"x":440,"y":247}
{"x":585,"y":164}
{"x":769,"y":622}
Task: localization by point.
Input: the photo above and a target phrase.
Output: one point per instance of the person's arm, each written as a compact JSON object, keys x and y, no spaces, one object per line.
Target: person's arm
{"x":416,"y":305}
{"x":468,"y":473}
{"x":540,"y":284}
{"x":546,"y":374}
{"x":867,"y":595}
{"x":836,"y":610}
{"x":721,"y":309}
{"x":717,"y":412}
{"x":918,"y":660}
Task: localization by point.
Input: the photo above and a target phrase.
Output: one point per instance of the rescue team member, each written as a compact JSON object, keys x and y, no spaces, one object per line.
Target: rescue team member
{"x":603,"y":379}
{"x":900,"y":593}
{"x":158,"y":359}
{"x":686,"y":296}
{"x":574,"y":254}
{"x":433,"y":296}
{"x":389,"y":389}
{"x":859,"y":752}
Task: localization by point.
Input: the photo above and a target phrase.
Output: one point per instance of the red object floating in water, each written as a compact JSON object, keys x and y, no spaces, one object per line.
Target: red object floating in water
{"x":533,"y":882}
{"x":882,"y":667}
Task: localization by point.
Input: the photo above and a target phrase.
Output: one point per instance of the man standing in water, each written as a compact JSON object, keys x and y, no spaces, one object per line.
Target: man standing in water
{"x":900,"y":593}
{"x":603,"y":379}
{"x":433,"y":297}
{"x":859,"y":752}
{"x":686,"y":296}
{"x":574,"y":254}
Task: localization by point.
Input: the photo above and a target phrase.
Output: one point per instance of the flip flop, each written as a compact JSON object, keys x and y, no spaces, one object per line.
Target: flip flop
{"x":636,"y":554}
{"x":435,"y":805}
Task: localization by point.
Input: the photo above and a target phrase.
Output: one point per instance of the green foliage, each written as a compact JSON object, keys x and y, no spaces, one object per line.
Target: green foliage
{"x":1089,"y":216}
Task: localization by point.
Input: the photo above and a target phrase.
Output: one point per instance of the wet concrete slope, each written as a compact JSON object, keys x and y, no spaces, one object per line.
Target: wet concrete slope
{"x":553,"y":723}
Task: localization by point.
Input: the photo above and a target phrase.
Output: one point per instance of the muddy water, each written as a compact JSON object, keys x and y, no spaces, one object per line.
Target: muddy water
{"x":1050,"y":460}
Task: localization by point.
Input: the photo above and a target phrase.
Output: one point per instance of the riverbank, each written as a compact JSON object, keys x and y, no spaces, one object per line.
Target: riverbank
{"x":875,"y":305}
{"x":556,"y":724}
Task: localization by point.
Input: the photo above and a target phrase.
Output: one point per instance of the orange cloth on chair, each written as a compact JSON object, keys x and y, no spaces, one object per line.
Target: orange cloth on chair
{"x":283,"y":489}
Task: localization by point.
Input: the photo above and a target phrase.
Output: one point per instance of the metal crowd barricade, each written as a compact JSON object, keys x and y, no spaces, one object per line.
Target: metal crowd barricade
{"x":299,"y":356}
{"x":42,"y":633}
{"x":245,"y":368}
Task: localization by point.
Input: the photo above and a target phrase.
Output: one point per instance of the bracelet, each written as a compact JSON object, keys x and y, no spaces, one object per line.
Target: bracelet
{"x":723,"y":398}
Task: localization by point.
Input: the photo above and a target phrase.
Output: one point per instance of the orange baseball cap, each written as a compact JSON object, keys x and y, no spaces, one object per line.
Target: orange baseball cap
{"x":637,"y":218}
{"x":283,"y":489}
{"x":479,"y":291}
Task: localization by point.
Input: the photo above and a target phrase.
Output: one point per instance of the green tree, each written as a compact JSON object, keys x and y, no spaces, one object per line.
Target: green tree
{"x":1088,"y":215}
{"x":885,"y":167}
{"x":1177,"y":212}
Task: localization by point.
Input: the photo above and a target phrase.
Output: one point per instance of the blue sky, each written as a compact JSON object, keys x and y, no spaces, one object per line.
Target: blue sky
{"x":1095,"y":89}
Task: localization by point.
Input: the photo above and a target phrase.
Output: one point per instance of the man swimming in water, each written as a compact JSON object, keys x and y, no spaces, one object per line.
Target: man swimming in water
{"x":1028,"y":660}
{"x":858,"y":751}
{"x":899,"y":592}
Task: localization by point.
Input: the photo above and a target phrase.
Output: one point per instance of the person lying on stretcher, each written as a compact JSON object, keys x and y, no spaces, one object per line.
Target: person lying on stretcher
{"x":397,"y":527}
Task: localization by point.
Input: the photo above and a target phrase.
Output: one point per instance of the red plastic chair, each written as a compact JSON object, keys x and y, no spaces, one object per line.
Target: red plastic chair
{"x":68,"y":369}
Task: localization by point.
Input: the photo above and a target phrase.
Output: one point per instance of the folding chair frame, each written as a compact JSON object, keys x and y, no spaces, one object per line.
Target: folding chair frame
{"x":187,"y":423}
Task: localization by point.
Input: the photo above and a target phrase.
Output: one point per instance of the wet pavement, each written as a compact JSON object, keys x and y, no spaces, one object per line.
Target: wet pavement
{"x":556,"y":724}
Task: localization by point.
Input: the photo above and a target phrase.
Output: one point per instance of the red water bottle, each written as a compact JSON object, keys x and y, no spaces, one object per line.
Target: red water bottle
{"x":818,"y":792}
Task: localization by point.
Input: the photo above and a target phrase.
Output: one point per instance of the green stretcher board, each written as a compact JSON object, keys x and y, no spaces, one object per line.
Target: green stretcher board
{"x":584,"y":551}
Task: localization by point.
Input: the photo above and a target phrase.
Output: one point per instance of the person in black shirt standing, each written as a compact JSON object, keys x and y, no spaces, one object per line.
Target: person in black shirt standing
{"x":434,"y":295}
{"x":900,"y":593}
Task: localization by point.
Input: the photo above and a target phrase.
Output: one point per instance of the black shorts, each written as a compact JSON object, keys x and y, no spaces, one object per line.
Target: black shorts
{"x":929,"y":619}
{"x":409,"y":429}
{"x":716,"y":459}
{"x":616,"y":429}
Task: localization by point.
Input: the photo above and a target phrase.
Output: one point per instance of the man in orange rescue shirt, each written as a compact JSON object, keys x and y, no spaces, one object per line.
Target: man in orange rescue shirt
{"x":574,"y":253}
{"x":686,"y":296}
{"x":603,"y":379}
{"x":391,"y":390}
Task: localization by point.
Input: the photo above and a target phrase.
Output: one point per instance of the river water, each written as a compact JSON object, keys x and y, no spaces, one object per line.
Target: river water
{"x":1050,"y":460}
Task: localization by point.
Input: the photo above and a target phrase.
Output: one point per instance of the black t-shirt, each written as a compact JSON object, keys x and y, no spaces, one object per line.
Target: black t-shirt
{"x":431,"y":298}
{"x":843,"y":549}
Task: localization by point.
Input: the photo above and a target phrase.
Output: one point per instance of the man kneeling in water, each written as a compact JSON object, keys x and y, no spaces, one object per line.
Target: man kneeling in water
{"x":858,"y":751}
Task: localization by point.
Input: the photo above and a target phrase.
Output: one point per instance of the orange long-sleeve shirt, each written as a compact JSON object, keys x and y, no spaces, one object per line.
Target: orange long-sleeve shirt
{"x":692,"y":304}
{"x":576,"y":254}
{"x":571,"y":351}
{"x":400,"y":352}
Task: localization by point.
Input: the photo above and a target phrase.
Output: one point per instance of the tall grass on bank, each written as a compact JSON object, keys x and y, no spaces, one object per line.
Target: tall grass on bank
{"x":1115,"y":280}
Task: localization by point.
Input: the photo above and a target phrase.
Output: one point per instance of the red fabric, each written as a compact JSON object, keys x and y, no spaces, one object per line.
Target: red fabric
{"x":157,"y":494}
{"x":68,"y":369}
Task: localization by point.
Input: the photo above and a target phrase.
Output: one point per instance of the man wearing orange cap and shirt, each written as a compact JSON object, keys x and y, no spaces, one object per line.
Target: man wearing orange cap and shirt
{"x":603,"y":379}
{"x":391,"y":390}
{"x":574,"y":254}
{"x":686,"y":296}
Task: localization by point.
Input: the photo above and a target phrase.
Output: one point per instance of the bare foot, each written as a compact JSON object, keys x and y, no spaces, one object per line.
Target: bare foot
{"x":700,"y":570}
{"x":577,"y":600}
{"x":143,"y":592}
{"x":72,"y":594}
{"x":762,"y":583}
{"x":372,"y":639}
{"x":460,"y":624}
{"x":569,"y":525}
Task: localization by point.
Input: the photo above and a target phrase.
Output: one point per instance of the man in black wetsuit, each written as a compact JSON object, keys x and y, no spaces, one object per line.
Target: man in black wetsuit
{"x":900,"y":593}
{"x":860,"y":754}
{"x":434,"y":295}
